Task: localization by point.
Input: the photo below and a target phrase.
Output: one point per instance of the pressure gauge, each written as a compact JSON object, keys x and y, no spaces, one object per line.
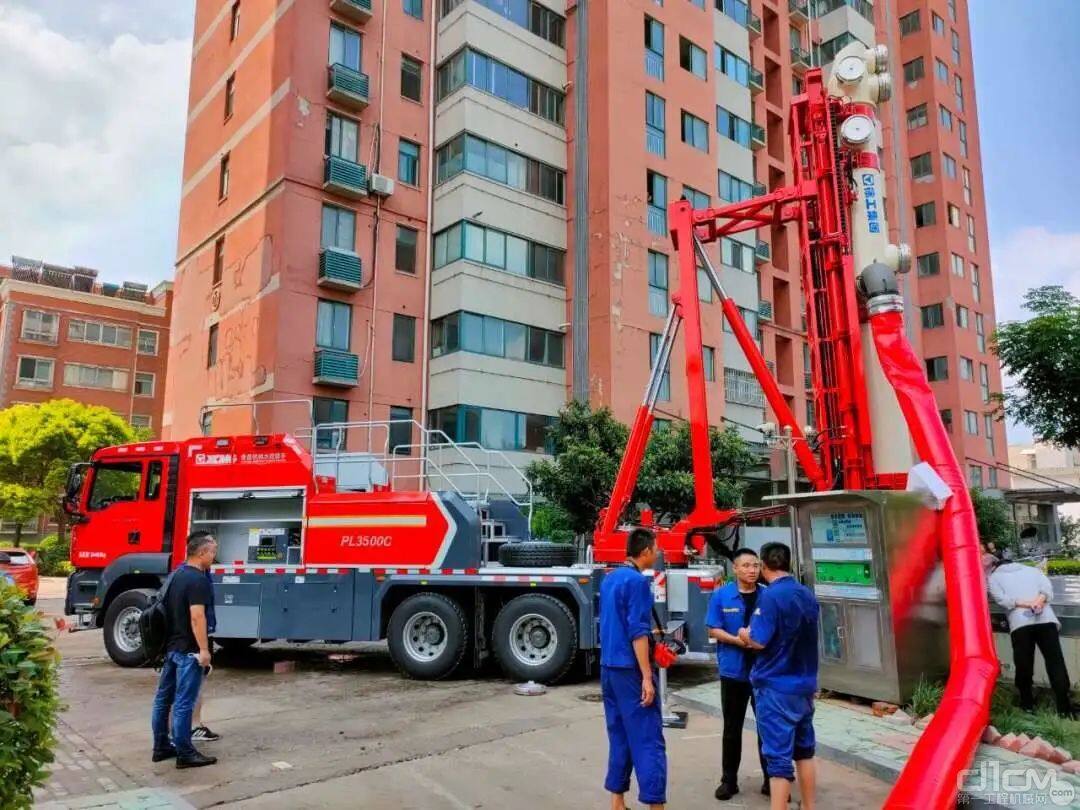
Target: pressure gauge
{"x":857,"y":129}
{"x":850,"y":69}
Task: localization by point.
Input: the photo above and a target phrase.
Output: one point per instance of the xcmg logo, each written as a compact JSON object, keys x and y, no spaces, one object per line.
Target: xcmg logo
{"x":870,"y":198}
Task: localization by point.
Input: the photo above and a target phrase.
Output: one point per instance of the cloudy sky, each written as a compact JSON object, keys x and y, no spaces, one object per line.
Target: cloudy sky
{"x":95,"y":94}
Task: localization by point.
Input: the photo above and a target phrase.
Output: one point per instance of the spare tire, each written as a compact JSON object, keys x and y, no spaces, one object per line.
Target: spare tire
{"x":537,"y":554}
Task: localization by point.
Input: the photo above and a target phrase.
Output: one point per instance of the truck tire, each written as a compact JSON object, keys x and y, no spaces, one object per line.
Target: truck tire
{"x":537,"y":554}
{"x":123,"y":642}
{"x":428,"y":636}
{"x":535,"y":638}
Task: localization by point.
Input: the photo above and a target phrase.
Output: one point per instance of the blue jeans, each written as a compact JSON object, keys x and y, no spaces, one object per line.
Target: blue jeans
{"x":178,"y":689}
{"x":635,"y":736}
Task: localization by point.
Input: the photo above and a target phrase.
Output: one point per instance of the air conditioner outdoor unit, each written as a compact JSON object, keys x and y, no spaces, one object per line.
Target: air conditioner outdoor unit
{"x":381,"y":185}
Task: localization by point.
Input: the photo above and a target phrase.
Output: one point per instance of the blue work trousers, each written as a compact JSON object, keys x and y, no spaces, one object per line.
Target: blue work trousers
{"x":635,"y":736}
{"x":178,"y":689}
{"x":785,"y":725}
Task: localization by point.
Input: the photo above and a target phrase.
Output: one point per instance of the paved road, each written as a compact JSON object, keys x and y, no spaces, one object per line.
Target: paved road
{"x":352,"y":733}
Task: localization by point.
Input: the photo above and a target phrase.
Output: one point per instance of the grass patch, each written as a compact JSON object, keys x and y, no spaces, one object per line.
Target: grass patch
{"x":925,"y":697}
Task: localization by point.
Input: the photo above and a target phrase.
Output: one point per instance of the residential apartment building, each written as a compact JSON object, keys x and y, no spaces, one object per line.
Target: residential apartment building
{"x":64,"y":334}
{"x":534,"y":146}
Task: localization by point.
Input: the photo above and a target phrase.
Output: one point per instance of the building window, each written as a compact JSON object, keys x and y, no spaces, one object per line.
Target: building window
{"x":925,"y":214}
{"x":219,"y":261}
{"x":976,"y":282}
{"x":957,"y":264}
{"x":230,"y":95}
{"x":234,"y":21}
{"x":952,"y":10}
{"x":975,"y":476}
{"x":916,"y":117}
{"x":946,"y":419}
{"x":988,"y":431}
{"x":958,"y":90}
{"x":345,"y":47}
{"x":962,"y":317}
{"x":545,"y":23}
{"x":40,"y":327}
{"x":708,"y":363}
{"x":144,"y":384}
{"x":333,"y":325}
{"x":929,"y":264}
{"x":658,"y":284}
{"x":984,"y":382}
{"x":992,"y":477}
{"x":955,"y":48}
{"x":695,"y":131}
{"x":410,"y":78}
{"x":409,"y":162}
{"x":914,"y":70}
{"x":467,"y":67}
{"x":654,"y":48}
{"x":223,"y":177}
{"x":79,"y":375}
{"x":980,"y":331}
{"x":971,"y":423}
{"x":329,"y":411}
{"x":933,"y":316}
{"x":211,"y":346}
{"x":405,"y":250}
{"x":148,"y":342}
{"x":656,"y":201}
{"x":736,"y":254}
{"x":206,"y":422}
{"x":338,"y":228}
{"x":142,"y":421}
{"x":946,"y":117}
{"x":476,"y":156}
{"x":401,"y":430}
{"x":485,"y":334}
{"x":404,"y":340}
{"x":414,"y":8}
{"x":731,"y":126}
{"x":494,"y":429}
{"x":967,"y":369}
{"x":743,"y":388}
{"x":950,"y":165}
{"x":103,"y":334}
{"x":734,"y":67}
{"x":941,"y":70}
{"x":967,"y":185}
{"x":692,"y":58}
{"x":938,"y":23}
{"x":954,"y":215}
{"x":910,"y":23}
{"x":937,"y":368}
{"x":962,"y":128}
{"x":971,"y":233}
{"x":498,"y":249}
{"x":665,"y":378}
{"x":655,"y":127}
{"x":732,"y":189}
{"x":35,"y":372}
{"x":698,"y":199}
{"x":922,"y":166}
{"x":342,"y":138}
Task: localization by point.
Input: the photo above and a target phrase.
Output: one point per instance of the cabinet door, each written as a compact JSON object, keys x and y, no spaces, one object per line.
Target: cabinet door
{"x":864,"y":636}
{"x":833,"y":632}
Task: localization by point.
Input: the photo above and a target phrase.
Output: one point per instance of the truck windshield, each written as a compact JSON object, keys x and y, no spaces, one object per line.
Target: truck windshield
{"x":114,"y":482}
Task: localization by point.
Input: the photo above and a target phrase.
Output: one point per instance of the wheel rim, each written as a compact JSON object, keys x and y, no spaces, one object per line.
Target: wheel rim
{"x":425,"y":637}
{"x":533,"y":640}
{"x":126,"y":630}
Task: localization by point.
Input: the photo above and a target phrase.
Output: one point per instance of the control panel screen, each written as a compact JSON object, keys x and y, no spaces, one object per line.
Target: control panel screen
{"x":835,"y":528}
{"x":844,"y":573}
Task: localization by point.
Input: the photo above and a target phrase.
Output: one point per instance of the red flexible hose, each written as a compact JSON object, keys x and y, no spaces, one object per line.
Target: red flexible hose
{"x":932,"y":776}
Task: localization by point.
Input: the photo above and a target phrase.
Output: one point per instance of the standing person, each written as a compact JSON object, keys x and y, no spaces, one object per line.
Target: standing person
{"x":199,"y":731}
{"x":1026,"y":593}
{"x":729,"y":611}
{"x":187,"y":655}
{"x":634,"y":725}
{"x":784,"y":631}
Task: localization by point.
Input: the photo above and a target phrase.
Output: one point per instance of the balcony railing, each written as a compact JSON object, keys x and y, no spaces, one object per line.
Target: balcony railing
{"x":757,"y":80}
{"x":337,"y":368}
{"x":759,"y":189}
{"x":762,"y":252}
{"x":799,"y":10}
{"x":765,"y":310}
{"x":800,"y":60}
{"x":654,"y":140}
{"x":344,"y":177}
{"x":339,"y":269}
{"x":359,"y":10}
{"x":654,"y":64}
{"x":657,"y":221}
{"x":757,"y":136}
{"x":753,"y":24}
{"x":348,"y":87}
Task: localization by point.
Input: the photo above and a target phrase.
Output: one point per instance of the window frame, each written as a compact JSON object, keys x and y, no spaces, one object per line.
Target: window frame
{"x":334,"y":310}
{"x":32,"y":383}
{"x":403,"y":338}
{"x":408,"y":64}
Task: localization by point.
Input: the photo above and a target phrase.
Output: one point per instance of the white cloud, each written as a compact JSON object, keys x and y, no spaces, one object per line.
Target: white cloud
{"x":91,"y":147}
{"x":1032,"y":257}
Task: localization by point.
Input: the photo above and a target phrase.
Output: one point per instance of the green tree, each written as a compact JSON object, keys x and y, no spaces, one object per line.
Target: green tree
{"x":994,"y":520}
{"x":21,"y":505}
{"x":1041,"y":353}
{"x":39,"y":443}
{"x":588,"y":448}
{"x":551,"y":522}
{"x":1070,"y":535}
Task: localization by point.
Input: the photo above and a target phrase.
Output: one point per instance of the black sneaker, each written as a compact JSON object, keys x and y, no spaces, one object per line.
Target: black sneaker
{"x":194,"y":760}
{"x":726,"y":791}
{"x":204,"y":734}
{"x":766,"y":788}
{"x":163,"y":754}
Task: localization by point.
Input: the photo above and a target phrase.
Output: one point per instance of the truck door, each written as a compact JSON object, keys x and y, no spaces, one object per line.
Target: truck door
{"x":128,"y":504}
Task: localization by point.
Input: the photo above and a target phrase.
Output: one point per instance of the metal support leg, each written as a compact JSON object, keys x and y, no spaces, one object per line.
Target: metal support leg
{"x":669,"y":717}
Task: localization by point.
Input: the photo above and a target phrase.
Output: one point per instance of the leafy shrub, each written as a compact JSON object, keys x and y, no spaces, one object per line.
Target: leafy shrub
{"x":549,"y":522}
{"x":52,"y":557}
{"x":28,"y":699}
{"x":1062,"y":567}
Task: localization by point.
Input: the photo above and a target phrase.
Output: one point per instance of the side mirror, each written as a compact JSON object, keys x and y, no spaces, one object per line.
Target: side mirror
{"x":4,"y":558}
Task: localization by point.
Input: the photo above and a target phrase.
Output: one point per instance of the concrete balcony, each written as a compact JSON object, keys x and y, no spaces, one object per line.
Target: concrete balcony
{"x":347,"y":87}
{"x":799,"y":11}
{"x":757,"y":137}
{"x":800,"y":60}
{"x":757,"y":81}
{"x":753,"y":24}
{"x":337,"y":368}
{"x":346,"y":178}
{"x":339,"y":270}
{"x":762,"y":253}
{"x":760,"y":189}
{"x":357,"y":10}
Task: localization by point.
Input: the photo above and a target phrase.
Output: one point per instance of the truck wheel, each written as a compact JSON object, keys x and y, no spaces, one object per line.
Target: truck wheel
{"x":535,"y":638}
{"x":123,"y":641}
{"x":428,"y":636}
{"x":537,"y":554}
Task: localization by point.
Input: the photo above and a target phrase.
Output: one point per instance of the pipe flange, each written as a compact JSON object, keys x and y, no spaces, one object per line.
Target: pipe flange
{"x":885,"y":303}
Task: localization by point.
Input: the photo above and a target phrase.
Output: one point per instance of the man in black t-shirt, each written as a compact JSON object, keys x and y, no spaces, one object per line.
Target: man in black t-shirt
{"x":187,"y":654}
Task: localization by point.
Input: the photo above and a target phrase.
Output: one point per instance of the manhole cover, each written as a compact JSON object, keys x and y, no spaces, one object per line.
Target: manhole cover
{"x":592,"y":697}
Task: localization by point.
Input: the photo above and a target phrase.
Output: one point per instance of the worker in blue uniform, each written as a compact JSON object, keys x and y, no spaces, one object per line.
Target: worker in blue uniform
{"x":784,"y":631}
{"x":729,"y":611}
{"x":628,"y":681}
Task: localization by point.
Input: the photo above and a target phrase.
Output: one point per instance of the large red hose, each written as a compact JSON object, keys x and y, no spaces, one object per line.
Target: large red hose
{"x":931,"y":778}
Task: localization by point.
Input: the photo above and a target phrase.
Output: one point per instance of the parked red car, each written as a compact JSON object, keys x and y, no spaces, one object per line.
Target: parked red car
{"x":18,"y":564}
